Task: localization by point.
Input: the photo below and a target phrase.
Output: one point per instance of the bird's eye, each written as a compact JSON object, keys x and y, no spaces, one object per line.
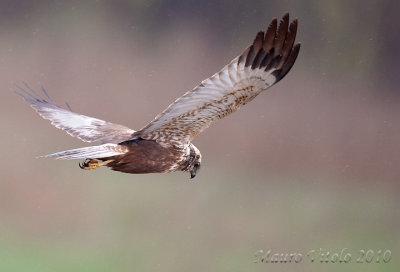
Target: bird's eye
{"x":196,"y":166}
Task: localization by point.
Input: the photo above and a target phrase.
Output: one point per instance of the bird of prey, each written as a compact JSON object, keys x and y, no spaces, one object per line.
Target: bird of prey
{"x":165,"y":144}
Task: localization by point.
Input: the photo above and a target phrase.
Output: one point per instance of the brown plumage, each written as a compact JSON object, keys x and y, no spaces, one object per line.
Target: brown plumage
{"x":145,"y":157}
{"x":165,"y":144}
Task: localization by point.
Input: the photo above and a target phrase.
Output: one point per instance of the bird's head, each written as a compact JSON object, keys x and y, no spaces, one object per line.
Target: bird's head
{"x":194,"y":161}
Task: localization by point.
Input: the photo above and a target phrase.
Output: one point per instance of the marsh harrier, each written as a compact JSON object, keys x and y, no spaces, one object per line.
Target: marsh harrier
{"x":165,"y":144}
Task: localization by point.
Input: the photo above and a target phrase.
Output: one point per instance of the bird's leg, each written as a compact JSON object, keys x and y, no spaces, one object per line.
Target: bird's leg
{"x":91,"y":164}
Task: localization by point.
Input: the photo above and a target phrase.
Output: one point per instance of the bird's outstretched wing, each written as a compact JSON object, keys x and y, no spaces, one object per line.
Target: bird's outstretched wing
{"x":260,"y":66}
{"x":87,"y":129}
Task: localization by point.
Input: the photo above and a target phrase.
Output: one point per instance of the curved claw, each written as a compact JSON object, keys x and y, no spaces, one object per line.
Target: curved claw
{"x":84,"y":164}
{"x":90,"y":164}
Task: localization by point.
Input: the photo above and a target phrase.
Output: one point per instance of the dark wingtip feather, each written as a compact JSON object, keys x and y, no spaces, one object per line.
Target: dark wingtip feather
{"x":250,"y":56}
{"x":281,"y":34}
{"x":270,"y":35}
{"x":29,"y":88}
{"x":28,"y":96}
{"x":258,"y":59}
{"x":274,"y":48}
{"x":293,"y":26}
{"x":255,"y":51}
{"x":258,"y":41}
{"x":18,"y":93}
{"x":281,"y":73}
{"x":288,"y":43}
{"x":33,"y":98}
{"x":243,"y":56}
{"x":274,"y":24}
{"x":45,"y":92}
{"x":68,"y":106}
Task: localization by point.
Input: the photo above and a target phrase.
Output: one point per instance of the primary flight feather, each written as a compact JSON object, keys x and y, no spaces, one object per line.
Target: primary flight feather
{"x":165,"y":144}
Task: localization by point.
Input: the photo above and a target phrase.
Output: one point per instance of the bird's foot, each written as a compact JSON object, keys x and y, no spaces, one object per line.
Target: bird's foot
{"x":91,"y":164}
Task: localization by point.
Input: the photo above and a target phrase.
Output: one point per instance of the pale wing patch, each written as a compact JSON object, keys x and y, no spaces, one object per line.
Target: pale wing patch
{"x":85,"y":128}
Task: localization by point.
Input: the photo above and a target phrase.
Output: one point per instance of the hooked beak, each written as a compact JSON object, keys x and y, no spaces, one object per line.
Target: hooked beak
{"x":194,"y":170}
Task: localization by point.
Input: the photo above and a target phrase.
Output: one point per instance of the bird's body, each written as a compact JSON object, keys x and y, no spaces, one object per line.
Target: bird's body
{"x":165,"y":144}
{"x":148,"y":156}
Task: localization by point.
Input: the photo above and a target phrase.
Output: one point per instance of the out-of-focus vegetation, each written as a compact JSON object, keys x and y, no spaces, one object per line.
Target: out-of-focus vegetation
{"x":313,"y":163}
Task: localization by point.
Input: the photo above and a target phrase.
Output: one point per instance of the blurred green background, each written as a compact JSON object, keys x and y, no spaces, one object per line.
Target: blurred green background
{"x":312,"y":163}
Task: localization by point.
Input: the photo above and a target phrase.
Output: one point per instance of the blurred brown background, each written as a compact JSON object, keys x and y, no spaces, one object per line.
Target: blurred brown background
{"x":312,"y":163}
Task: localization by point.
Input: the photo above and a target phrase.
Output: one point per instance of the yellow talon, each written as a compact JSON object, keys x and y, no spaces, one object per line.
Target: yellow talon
{"x":91,"y":164}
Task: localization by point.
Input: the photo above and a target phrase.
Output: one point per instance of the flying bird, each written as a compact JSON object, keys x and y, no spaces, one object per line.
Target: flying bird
{"x":165,"y":144}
